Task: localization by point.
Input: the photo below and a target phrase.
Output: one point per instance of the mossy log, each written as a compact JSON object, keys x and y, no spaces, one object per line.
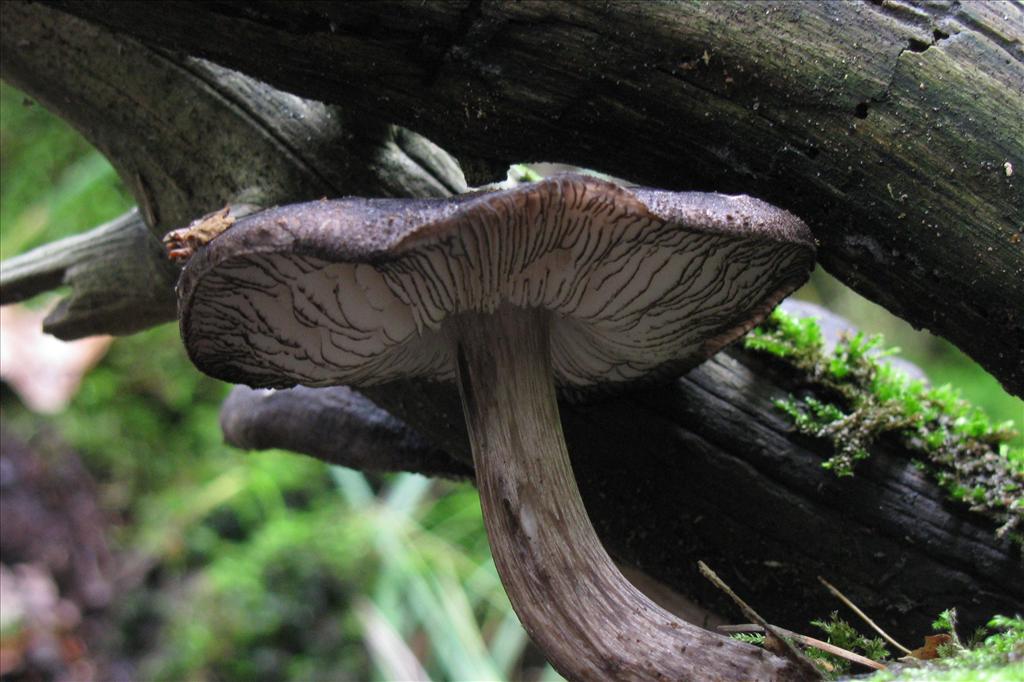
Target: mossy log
{"x":894,"y":128}
{"x":705,"y":468}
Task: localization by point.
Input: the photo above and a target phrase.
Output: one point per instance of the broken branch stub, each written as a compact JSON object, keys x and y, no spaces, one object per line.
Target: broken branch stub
{"x":121,"y":281}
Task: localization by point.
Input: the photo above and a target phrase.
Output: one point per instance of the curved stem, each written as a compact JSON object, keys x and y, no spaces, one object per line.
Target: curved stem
{"x":587,"y":618}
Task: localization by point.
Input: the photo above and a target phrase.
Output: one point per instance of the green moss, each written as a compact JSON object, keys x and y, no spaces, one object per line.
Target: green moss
{"x":845,"y":636}
{"x":855,"y":399}
{"x":998,"y":655}
{"x":755,"y":638}
{"x":522,"y":172}
{"x":996,"y":652}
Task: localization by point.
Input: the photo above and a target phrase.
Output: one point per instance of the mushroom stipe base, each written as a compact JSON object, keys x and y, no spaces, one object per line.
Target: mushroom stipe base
{"x":575,"y":604}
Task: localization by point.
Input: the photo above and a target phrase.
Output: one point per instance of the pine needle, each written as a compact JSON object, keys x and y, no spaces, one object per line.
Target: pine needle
{"x":853,"y":607}
{"x":808,"y":641}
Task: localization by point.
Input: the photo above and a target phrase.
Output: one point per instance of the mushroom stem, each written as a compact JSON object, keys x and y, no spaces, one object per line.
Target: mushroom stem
{"x":587,"y":618}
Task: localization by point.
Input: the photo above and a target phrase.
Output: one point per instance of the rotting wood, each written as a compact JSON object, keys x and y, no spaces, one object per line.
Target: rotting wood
{"x":892,"y":129}
{"x":120,"y":277}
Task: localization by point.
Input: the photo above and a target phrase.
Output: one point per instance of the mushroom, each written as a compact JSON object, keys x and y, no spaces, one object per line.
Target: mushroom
{"x":570,"y":282}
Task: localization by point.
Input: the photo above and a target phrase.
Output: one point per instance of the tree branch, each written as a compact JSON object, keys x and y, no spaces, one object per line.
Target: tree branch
{"x":120,"y":277}
{"x":338,"y":426}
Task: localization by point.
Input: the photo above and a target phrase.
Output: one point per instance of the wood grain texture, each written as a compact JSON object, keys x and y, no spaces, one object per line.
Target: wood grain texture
{"x":120,"y":277}
{"x":188,"y":137}
{"x":590,"y":622}
{"x":885,"y":126}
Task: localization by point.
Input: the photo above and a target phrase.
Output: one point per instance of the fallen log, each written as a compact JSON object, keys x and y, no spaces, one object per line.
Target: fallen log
{"x":893,"y":129}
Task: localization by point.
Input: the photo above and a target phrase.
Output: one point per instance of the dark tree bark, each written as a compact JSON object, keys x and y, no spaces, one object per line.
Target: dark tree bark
{"x":338,"y":426}
{"x":510,"y":82}
{"x":893,"y":129}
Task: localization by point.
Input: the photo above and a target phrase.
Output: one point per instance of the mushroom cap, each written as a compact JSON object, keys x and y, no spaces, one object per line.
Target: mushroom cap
{"x":641,"y":283}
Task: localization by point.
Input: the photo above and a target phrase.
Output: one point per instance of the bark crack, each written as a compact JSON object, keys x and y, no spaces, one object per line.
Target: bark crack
{"x":923,"y":23}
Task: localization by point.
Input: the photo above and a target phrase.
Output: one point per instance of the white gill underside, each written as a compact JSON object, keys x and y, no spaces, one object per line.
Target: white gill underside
{"x":626,"y":294}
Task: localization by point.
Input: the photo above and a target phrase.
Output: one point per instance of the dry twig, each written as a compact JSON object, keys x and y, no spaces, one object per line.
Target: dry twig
{"x":853,"y":607}
{"x":808,"y":641}
{"x":774,"y":638}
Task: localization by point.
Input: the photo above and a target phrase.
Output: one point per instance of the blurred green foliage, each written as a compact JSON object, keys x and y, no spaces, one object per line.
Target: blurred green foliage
{"x":254,"y":566}
{"x":53,"y":182}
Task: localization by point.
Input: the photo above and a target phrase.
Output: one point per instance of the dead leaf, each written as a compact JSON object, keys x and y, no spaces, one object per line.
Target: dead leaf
{"x":182,"y":244}
{"x":931,"y":646}
{"x":44,"y":371}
